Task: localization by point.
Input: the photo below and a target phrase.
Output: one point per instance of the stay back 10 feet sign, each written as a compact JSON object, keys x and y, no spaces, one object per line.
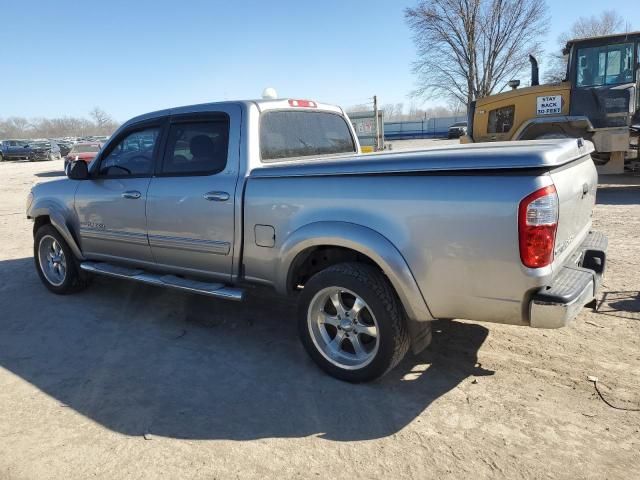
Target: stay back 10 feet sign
{"x":549,"y":105}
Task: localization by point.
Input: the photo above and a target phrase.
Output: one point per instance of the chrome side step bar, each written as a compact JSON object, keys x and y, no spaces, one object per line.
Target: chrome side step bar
{"x":217,"y":290}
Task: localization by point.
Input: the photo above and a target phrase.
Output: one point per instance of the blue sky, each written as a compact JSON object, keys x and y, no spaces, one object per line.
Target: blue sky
{"x":64,"y":57}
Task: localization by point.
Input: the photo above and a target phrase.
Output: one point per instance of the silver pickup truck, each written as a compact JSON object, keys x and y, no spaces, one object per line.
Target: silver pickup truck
{"x":212,"y":198}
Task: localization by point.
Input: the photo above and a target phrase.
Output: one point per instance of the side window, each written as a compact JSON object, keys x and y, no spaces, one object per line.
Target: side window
{"x":196,"y":148}
{"x":133,"y":155}
{"x":501,"y":119}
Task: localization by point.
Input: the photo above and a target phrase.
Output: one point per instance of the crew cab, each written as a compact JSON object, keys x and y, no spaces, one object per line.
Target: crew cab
{"x":14,"y":150}
{"x":212,"y":198}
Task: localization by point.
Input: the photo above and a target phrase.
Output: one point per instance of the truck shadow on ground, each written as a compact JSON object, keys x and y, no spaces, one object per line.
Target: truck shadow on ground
{"x":51,"y":174}
{"x":139,"y":360}
{"x":621,"y":304}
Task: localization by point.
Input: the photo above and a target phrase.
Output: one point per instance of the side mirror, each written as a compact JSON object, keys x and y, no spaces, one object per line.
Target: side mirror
{"x":79,"y":170}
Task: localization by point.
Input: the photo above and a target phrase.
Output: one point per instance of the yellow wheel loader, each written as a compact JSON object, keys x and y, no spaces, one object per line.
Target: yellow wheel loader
{"x":599,"y":100}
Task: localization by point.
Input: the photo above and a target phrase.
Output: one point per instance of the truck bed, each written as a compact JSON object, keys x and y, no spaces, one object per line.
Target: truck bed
{"x":452,"y":213}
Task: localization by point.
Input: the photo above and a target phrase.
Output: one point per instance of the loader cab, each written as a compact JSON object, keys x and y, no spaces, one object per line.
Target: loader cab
{"x":605,"y":78}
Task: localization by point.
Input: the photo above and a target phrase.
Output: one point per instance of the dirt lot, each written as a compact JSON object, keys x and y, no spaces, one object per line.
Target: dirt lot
{"x":124,"y":380}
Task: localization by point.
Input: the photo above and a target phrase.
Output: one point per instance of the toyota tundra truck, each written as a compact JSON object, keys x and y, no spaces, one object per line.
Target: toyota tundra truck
{"x":214,"y":198}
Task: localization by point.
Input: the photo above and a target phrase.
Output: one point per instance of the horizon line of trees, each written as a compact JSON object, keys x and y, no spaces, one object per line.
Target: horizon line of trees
{"x":97,"y":123}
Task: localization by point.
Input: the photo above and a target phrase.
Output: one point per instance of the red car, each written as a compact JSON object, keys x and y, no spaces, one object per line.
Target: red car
{"x":86,"y":151}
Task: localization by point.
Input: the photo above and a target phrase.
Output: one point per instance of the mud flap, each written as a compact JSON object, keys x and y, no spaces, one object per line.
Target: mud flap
{"x":420,"y":333}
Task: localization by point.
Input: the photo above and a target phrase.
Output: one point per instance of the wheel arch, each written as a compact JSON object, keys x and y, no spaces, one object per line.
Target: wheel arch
{"x":345,"y":242}
{"x":573,"y":126}
{"x":48,"y":213}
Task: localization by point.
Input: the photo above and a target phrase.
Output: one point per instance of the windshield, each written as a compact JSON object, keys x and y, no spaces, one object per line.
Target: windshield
{"x":605,"y":65}
{"x":85,"y":149}
{"x":40,"y":145}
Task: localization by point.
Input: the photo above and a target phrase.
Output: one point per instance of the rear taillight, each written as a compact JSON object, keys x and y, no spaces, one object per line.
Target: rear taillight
{"x":537,"y":224}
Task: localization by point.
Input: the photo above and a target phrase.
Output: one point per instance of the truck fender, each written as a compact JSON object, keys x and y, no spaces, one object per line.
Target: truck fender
{"x":365,"y":241}
{"x":57,"y":218}
{"x":575,"y":122}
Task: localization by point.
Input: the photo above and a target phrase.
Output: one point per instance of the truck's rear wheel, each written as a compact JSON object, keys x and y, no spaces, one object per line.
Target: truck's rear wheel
{"x":351,"y":322}
{"x":55,"y":263}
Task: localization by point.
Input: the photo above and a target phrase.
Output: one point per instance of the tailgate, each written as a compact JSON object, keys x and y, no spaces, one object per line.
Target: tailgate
{"x":576,"y":185}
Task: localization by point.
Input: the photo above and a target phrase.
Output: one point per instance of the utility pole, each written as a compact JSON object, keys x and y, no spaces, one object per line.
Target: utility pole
{"x":375,"y":115}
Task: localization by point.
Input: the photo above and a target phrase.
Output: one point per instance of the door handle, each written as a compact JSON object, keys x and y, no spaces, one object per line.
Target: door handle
{"x":132,"y":194}
{"x":216,"y":196}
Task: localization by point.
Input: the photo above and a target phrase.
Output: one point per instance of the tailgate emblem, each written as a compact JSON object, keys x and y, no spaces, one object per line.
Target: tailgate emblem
{"x":585,"y":189}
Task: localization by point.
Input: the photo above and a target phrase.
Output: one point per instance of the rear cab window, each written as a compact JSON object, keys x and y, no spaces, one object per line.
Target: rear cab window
{"x":286,"y":134}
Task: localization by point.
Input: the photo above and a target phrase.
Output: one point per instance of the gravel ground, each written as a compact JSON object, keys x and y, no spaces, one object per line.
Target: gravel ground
{"x":129,"y":381}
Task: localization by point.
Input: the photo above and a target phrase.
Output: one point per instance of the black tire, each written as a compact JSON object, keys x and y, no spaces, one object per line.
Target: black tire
{"x":1,"y":158}
{"x":373,"y":287}
{"x":74,"y":279}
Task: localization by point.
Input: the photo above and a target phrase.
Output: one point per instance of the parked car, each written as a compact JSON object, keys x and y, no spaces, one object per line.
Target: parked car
{"x":374,"y":247}
{"x":14,"y":150}
{"x":43,"y":150}
{"x":457,"y":130}
{"x":65,"y":147}
{"x":86,"y":152}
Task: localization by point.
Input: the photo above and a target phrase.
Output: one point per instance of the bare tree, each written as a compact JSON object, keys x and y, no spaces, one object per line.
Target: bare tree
{"x":20,"y":127}
{"x":389,"y":110}
{"x":100,"y":117}
{"x":361,"y":107}
{"x":456,"y":107}
{"x":16,"y":127}
{"x":467,"y":49}
{"x":607,"y":23}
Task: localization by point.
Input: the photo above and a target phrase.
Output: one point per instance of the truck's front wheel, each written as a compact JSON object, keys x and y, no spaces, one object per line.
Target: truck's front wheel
{"x":55,"y":263}
{"x":351,"y":322}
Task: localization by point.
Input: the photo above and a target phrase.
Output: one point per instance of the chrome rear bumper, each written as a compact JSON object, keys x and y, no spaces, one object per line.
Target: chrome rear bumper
{"x":573,"y":287}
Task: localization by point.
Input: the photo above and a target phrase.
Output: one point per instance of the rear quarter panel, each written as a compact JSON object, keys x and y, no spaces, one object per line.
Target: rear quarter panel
{"x":457,"y":233}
